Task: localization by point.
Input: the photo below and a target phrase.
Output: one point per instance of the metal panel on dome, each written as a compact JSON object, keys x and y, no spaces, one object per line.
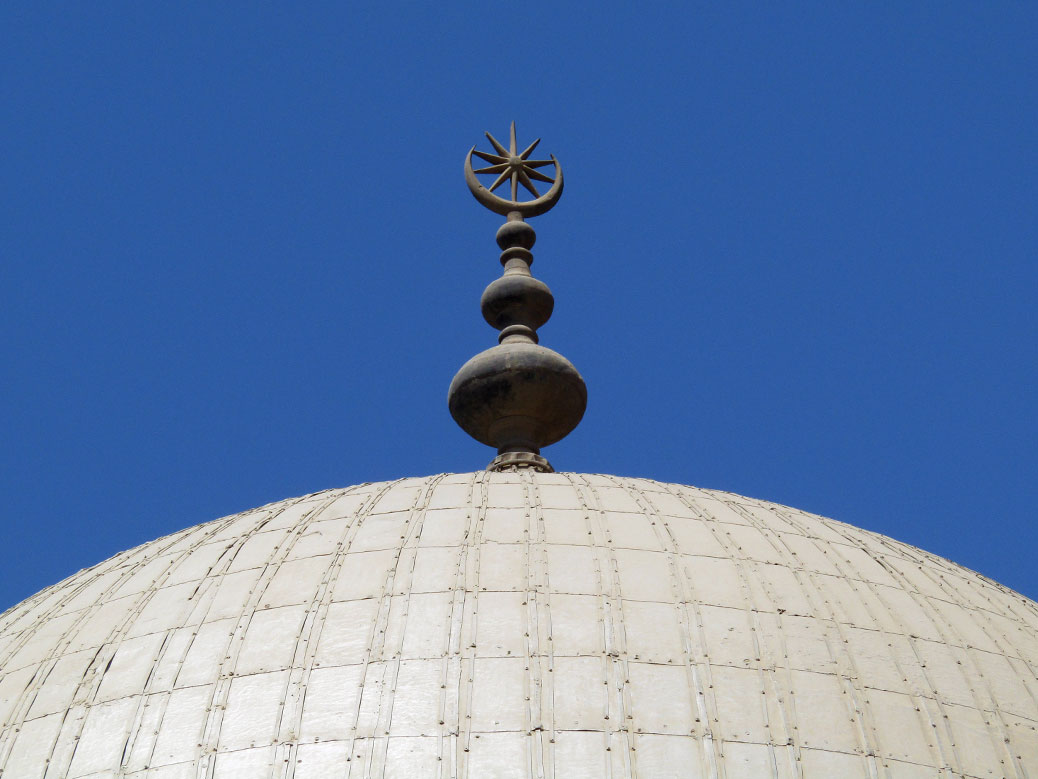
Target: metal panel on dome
{"x":520,"y":624}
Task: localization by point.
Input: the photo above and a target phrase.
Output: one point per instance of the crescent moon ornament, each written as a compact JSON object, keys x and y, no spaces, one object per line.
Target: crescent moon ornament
{"x":512,"y":165}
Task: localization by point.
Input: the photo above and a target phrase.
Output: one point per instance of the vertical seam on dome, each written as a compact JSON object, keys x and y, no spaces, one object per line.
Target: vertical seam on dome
{"x":211,"y":729}
{"x":206,"y":593}
{"x":105,"y":652}
{"x":750,"y":614}
{"x":468,"y":567}
{"x":359,"y":515}
{"x":542,"y":755}
{"x":77,"y":582}
{"x":867,"y":731}
{"x":381,"y":613}
{"x":685,"y":601}
{"x":969,"y":611}
{"x":613,"y":629}
{"x":43,"y":668}
{"x":955,"y":597}
{"x":1023,"y":680}
{"x":290,"y":725}
{"x":298,"y":669}
{"x":614,"y":657}
{"x":688,"y":600}
{"x":75,"y":585}
{"x":907,"y":587}
{"x":855,"y":578}
{"x":387,"y":695}
{"x":452,"y":738}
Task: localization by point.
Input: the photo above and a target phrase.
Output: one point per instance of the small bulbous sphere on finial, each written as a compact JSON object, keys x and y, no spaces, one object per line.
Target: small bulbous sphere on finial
{"x":516,"y":232}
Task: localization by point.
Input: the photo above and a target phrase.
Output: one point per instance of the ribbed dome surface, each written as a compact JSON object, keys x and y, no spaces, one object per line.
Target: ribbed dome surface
{"x":521,"y":625}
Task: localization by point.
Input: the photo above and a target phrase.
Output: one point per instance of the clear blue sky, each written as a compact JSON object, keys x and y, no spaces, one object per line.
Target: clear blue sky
{"x":795,"y":258}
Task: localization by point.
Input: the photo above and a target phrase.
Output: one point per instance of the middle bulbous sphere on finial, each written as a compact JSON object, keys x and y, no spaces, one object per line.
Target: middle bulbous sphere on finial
{"x":517,"y":300}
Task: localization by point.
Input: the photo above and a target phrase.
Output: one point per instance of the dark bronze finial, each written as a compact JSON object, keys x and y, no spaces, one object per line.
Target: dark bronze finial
{"x":517,"y":396}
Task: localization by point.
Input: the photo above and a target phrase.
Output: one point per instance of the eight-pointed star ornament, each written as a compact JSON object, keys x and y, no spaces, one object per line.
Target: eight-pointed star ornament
{"x":511,"y":164}
{"x":519,"y":167}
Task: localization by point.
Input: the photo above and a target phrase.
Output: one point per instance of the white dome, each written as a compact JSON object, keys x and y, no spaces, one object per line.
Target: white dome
{"x":521,"y":625}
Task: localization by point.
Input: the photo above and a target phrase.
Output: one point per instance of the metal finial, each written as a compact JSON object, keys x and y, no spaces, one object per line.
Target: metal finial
{"x":517,"y":396}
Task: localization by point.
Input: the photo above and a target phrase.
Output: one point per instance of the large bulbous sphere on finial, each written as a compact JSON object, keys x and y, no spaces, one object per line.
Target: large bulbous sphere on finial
{"x":517,"y":397}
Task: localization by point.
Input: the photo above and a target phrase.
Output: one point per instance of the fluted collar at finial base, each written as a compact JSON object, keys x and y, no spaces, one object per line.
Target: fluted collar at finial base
{"x":519,"y":461}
